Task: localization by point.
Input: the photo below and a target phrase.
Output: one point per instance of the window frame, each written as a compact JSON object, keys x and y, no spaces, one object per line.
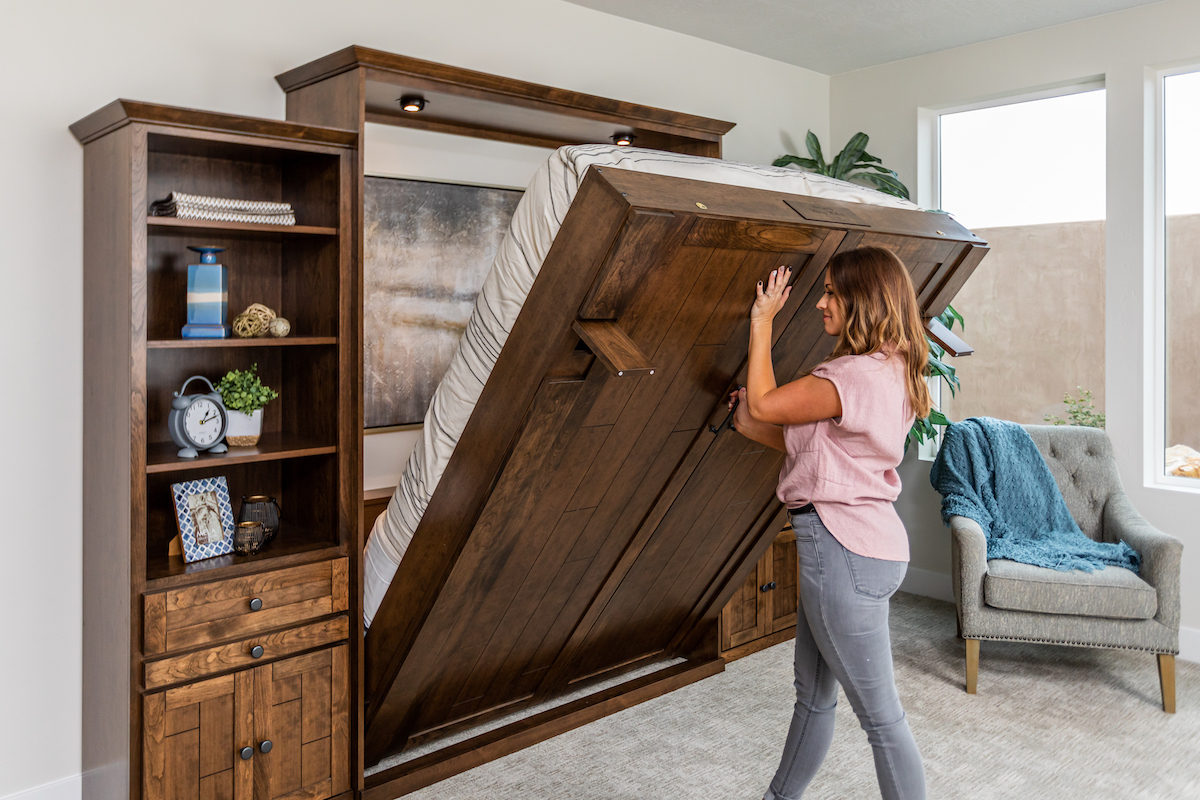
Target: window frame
{"x":1155,"y":442}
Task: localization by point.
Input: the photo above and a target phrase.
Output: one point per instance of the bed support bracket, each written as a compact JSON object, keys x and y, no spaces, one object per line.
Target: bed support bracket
{"x":613,"y":347}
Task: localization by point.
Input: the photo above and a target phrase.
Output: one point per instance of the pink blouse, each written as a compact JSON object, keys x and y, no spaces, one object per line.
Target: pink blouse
{"x":846,"y":466}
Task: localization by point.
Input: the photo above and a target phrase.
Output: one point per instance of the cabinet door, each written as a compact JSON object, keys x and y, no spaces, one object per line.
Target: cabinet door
{"x":742,"y":620}
{"x":302,"y":706}
{"x":192,"y":735}
{"x":783,"y":598}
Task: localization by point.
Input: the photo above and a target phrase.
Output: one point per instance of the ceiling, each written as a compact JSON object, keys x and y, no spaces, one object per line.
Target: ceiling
{"x":832,"y":37}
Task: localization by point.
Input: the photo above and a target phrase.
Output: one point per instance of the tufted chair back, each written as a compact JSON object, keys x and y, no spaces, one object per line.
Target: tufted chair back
{"x":1084,"y":467}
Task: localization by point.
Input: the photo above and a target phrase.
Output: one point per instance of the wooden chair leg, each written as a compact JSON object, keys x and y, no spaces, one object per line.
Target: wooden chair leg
{"x":973,"y":667}
{"x":1166,"y":680}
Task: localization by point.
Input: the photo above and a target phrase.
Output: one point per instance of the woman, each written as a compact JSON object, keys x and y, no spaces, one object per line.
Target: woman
{"x":843,"y":428}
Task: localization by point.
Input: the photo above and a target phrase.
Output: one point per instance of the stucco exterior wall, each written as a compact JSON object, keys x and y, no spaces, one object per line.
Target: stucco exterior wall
{"x":1035,"y":316}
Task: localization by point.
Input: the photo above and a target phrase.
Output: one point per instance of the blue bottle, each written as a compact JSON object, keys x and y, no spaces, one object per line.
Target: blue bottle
{"x":207,"y":297}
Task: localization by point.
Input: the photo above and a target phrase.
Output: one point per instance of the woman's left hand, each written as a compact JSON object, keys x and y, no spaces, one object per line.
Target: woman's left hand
{"x":772,"y":296}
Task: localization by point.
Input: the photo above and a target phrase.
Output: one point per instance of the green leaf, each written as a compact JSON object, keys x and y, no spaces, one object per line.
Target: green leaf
{"x":814,"y":150}
{"x":870,"y":158}
{"x":845,"y":160}
{"x":784,"y":161}
{"x":938,"y":418}
{"x":886,"y":183}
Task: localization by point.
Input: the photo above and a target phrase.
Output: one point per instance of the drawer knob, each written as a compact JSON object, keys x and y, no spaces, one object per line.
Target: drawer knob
{"x":256,"y":651}
{"x":256,"y":604}
{"x":265,"y":746}
{"x":246,"y":753}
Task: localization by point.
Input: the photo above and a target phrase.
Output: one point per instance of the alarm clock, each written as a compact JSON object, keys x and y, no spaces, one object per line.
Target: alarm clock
{"x":198,"y":421}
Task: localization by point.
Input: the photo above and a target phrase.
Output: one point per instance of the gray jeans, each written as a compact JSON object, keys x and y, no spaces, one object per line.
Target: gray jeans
{"x":842,"y":637}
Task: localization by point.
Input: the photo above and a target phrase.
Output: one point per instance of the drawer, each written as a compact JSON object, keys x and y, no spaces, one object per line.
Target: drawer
{"x":191,"y":666}
{"x":198,"y":615}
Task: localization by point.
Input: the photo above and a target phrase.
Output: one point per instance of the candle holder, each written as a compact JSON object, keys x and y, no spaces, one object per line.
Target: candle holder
{"x":248,"y":538}
{"x":260,"y":508}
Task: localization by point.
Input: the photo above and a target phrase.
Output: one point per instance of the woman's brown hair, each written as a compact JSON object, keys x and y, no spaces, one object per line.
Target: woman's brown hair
{"x":880,"y":309}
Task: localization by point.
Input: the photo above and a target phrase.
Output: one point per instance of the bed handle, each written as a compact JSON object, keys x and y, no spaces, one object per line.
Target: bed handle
{"x":613,"y":347}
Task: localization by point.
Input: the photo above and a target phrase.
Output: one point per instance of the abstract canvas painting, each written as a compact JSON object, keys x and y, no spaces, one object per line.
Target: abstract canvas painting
{"x":427,"y":248}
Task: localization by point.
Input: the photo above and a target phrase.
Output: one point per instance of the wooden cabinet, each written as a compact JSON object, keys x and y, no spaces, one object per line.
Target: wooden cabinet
{"x":275,"y":732}
{"x":763,"y":611}
{"x":186,"y":664}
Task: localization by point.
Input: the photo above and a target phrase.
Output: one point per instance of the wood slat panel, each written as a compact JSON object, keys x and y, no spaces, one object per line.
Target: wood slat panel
{"x":316,"y":704}
{"x":314,"y":761}
{"x":217,"y":787}
{"x":183,"y":719}
{"x":199,"y":692}
{"x":216,"y":735}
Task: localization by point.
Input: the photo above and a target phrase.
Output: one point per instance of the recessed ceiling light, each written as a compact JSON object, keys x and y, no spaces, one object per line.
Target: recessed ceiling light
{"x":623,"y":139}
{"x":412,"y":102}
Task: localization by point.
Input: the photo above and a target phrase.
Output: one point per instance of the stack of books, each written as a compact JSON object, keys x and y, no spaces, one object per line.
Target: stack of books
{"x":223,"y":209}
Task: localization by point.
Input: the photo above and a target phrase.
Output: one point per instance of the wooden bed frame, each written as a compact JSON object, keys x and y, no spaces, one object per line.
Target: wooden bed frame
{"x":598,"y":513}
{"x":595,"y":518}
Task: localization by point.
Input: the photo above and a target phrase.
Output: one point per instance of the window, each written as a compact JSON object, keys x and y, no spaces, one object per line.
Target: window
{"x":1181,"y":182}
{"x":1029,"y":178}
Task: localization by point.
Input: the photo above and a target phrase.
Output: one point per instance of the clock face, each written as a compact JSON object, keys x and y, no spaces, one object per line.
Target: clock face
{"x":202,"y":422}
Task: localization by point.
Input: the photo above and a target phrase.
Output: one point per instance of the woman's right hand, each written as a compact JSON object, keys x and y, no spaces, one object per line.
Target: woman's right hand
{"x":741,"y":414}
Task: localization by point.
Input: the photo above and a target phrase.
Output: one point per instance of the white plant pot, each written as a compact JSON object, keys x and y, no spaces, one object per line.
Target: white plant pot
{"x":244,"y":429}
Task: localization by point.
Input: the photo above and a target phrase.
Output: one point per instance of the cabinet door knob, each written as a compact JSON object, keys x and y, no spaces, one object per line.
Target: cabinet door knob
{"x":246,"y":753}
{"x":766,"y":587}
{"x":266,"y":746}
{"x":256,"y":651}
{"x":256,"y":604}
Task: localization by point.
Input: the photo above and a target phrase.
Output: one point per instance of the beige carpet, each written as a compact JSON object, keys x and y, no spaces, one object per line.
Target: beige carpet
{"x":1048,"y":722}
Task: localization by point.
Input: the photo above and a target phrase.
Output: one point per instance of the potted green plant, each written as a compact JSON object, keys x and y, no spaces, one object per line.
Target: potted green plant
{"x":924,"y":429}
{"x":853,"y":162}
{"x":244,"y":395}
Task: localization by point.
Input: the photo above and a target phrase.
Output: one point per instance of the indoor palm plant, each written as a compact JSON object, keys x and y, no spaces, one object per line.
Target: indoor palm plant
{"x":853,"y":162}
{"x":244,"y":395}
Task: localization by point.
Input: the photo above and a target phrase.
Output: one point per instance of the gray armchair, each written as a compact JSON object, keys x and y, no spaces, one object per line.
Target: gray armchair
{"x":1005,"y":600}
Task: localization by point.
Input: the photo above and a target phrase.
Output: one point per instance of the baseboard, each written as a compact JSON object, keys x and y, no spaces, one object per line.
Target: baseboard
{"x":1189,"y":644}
{"x":63,"y":789}
{"x":927,"y":583}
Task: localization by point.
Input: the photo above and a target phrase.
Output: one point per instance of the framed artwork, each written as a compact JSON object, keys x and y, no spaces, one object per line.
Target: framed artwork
{"x":205,"y":517}
{"x":427,"y":249}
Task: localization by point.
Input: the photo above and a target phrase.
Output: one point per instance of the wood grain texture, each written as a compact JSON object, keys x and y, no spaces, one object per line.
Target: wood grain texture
{"x":626,"y":525}
{"x":123,"y":112}
{"x":478,"y":104}
{"x":1166,"y":680}
{"x":232,"y":656}
{"x":614,"y":348}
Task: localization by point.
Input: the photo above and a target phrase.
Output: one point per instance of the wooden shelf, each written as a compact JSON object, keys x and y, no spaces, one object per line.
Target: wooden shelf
{"x":160,"y":456}
{"x":294,"y":546}
{"x":264,"y":341}
{"x":184,"y":226}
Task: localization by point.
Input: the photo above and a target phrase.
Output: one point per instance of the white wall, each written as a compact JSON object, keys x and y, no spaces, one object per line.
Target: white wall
{"x":891,"y":104}
{"x":62,"y":60}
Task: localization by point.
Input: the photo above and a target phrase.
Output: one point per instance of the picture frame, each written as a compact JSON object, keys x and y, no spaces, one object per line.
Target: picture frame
{"x":204,"y":515}
{"x":427,"y":248}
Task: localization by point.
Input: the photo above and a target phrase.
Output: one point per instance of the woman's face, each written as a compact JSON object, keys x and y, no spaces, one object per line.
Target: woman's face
{"x":831,"y":310}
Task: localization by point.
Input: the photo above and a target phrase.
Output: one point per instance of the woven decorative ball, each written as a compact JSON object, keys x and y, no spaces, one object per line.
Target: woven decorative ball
{"x":279,"y":327}
{"x":262,"y":313}
{"x":246,"y":326}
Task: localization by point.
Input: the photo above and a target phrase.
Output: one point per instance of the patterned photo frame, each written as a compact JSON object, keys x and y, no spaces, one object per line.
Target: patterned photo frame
{"x":205,"y":517}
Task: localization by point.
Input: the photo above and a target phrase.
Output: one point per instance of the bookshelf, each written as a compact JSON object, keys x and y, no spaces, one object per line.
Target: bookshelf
{"x":309,"y":458}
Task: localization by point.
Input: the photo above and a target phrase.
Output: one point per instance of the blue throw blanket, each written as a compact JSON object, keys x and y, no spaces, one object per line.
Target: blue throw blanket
{"x":992,"y":472}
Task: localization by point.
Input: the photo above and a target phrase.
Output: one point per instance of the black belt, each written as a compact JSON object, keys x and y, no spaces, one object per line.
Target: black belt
{"x":808,"y":508}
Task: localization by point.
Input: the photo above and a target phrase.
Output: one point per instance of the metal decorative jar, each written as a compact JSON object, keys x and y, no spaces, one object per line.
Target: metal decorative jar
{"x":263,"y":509}
{"x":248,"y":537}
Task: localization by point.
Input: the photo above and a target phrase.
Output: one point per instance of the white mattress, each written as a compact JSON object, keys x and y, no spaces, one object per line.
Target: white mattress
{"x":534,"y":225}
